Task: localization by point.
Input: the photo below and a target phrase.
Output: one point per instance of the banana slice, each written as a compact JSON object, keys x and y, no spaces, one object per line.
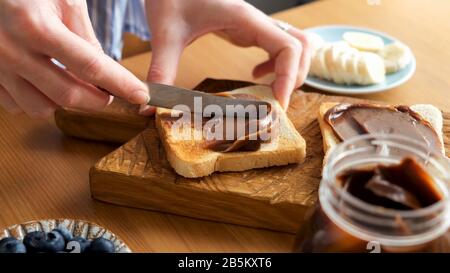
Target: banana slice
{"x":370,"y":69}
{"x":351,"y":67}
{"x":315,"y":64}
{"x":344,"y":58}
{"x":396,"y":56}
{"x":341,"y":64}
{"x":341,"y":75}
{"x":318,"y":66}
{"x":358,"y":77}
{"x":322,"y":69}
{"x":315,"y":40}
{"x":363,"y":41}
{"x":331,"y":60}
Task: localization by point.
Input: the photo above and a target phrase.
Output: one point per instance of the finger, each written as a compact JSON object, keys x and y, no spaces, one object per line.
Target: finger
{"x":282,"y":47}
{"x":30,"y":99}
{"x":264,"y":68}
{"x":63,"y":88}
{"x":86,"y":63}
{"x":8,"y":103}
{"x":304,"y":64}
{"x":286,"y":69}
{"x":165,"y":57}
{"x":305,"y":60}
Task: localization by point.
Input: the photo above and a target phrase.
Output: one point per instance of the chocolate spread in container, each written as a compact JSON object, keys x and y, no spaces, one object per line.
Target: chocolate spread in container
{"x":349,"y":120}
{"x":256,"y":130}
{"x":405,"y":186}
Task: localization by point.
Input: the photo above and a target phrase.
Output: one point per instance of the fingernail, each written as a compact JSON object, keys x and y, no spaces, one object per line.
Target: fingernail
{"x":111,"y":99}
{"x":139,"y":97}
{"x":285,"y":105}
{"x":282,"y":99}
{"x":143,"y":109}
{"x":146,"y":110}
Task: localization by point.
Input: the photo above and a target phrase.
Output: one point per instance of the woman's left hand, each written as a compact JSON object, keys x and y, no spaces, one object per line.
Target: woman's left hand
{"x":176,"y":23}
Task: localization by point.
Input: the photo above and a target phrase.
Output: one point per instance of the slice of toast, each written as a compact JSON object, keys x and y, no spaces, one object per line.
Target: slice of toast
{"x":190,"y":158}
{"x":428,"y":112}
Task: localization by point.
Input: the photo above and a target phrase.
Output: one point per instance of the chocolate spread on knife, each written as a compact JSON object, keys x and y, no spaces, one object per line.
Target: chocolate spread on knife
{"x":256,"y":130}
{"x":349,"y":120}
{"x":405,"y":186}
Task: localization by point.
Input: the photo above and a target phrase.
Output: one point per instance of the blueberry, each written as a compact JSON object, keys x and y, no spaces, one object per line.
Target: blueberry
{"x":65,"y":233}
{"x":101,"y":245}
{"x":39,"y":241}
{"x":32,"y":240}
{"x":6,"y":240}
{"x":12,"y":245}
{"x":84,"y":244}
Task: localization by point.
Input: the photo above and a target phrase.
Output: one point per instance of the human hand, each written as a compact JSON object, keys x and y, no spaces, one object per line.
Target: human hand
{"x":176,"y":23}
{"x":33,"y":32}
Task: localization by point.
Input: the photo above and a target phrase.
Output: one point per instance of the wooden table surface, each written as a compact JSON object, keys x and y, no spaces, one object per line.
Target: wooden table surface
{"x":44,"y":174}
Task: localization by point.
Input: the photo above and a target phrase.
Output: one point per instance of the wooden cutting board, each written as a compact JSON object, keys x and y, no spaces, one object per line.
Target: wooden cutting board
{"x":138,"y":174}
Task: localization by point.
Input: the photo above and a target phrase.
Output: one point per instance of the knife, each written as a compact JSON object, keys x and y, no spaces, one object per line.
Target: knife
{"x":167,"y":96}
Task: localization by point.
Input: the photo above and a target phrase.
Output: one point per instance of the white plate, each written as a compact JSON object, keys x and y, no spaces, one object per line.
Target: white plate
{"x":333,"y":33}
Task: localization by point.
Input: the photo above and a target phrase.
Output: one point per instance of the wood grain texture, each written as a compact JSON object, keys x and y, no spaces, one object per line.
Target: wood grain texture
{"x":44,"y":174}
{"x":139,"y":175}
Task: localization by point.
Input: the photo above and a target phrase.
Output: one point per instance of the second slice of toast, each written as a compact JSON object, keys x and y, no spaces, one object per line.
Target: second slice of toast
{"x":428,"y":112}
{"x":190,"y":158}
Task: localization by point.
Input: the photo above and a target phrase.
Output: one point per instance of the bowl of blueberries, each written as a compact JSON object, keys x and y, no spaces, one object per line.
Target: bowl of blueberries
{"x":60,"y":236}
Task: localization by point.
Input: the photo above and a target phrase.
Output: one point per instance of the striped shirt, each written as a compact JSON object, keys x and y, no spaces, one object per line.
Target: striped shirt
{"x":111,"y":18}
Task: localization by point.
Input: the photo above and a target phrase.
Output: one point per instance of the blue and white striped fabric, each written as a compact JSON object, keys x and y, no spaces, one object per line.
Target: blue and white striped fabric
{"x":111,"y":18}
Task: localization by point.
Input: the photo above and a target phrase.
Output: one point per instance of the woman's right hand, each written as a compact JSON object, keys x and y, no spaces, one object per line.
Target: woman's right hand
{"x":34,"y":32}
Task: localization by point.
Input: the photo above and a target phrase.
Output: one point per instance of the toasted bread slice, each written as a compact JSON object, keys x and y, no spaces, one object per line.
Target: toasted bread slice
{"x":427,"y":111}
{"x":191,"y":159}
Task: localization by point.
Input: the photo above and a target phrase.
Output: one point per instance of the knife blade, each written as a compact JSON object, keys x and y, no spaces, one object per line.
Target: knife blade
{"x":167,"y":96}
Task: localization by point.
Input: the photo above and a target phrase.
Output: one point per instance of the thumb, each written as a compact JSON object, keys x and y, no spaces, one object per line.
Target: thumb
{"x":165,"y":58}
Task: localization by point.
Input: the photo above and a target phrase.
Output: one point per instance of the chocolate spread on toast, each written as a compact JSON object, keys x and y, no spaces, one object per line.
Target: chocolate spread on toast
{"x":247,"y":133}
{"x":349,"y":120}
